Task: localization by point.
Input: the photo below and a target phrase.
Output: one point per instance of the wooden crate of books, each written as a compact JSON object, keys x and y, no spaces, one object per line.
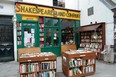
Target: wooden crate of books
{"x":78,"y":63}
{"x":37,"y":64}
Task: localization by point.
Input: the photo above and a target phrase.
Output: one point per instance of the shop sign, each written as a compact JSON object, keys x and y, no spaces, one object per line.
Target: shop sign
{"x":26,"y":17}
{"x":37,"y":10}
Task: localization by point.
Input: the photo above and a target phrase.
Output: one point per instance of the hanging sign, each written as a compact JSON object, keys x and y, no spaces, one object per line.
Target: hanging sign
{"x":36,"y":10}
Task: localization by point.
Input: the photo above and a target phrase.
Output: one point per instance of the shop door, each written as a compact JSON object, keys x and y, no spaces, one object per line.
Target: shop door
{"x":6,"y":39}
{"x":29,"y":35}
{"x":52,"y":36}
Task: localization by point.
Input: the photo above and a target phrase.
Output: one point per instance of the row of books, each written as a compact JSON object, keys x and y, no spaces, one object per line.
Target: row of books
{"x":80,"y":62}
{"x":92,"y":45}
{"x":75,"y":71}
{"x":30,"y":75}
{"x":48,"y":65}
{"x":19,"y":38}
{"x":19,"y":33}
{"x":89,"y":62}
{"x":41,"y":34}
{"x":47,"y":74}
{"x":28,"y":55}
{"x":19,"y":42}
{"x":36,"y":67}
{"x":42,"y":39}
{"x":41,"y":74}
{"x":75,"y":62}
{"x":92,"y":40}
{"x":88,"y":69}
{"x":31,"y":67}
{"x":75,"y":51}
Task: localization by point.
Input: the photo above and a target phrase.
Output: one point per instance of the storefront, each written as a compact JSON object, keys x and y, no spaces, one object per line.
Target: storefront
{"x":46,"y":27}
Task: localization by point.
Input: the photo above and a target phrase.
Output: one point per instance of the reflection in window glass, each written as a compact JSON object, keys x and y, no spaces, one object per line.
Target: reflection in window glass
{"x":55,"y":22}
{"x":56,"y":38}
{"x":48,"y":22}
{"x":48,"y":37}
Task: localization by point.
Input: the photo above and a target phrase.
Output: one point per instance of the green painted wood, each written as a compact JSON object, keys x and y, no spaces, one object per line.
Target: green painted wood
{"x":77,"y":37}
{"x":19,"y":17}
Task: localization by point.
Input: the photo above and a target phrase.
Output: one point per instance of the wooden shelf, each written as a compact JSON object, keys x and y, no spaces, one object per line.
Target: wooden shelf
{"x":34,"y":59}
{"x":87,"y":59}
{"x":42,"y":64}
{"x":100,"y":41}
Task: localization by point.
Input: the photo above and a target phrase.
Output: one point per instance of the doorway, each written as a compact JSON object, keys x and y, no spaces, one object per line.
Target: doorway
{"x":6,"y":39}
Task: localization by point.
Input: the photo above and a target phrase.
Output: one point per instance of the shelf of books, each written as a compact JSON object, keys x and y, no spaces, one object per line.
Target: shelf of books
{"x":77,"y":63}
{"x":41,"y":29}
{"x":19,"y":35}
{"x":37,"y":65}
{"x":93,"y":40}
{"x":88,"y":41}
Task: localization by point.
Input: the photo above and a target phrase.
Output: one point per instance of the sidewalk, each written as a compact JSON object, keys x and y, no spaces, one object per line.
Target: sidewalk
{"x":11,"y":69}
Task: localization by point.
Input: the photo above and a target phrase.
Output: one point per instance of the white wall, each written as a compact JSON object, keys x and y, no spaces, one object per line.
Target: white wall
{"x":8,"y":8}
{"x":101,"y":14}
{"x":71,"y":4}
{"x":42,"y":2}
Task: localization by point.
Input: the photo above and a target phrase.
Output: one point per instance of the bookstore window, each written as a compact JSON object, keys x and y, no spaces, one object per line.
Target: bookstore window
{"x":56,"y":38}
{"x":67,"y":29}
{"x":48,"y":37}
{"x":48,"y":22}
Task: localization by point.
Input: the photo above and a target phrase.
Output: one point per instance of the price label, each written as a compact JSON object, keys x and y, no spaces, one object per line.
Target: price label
{"x":82,"y":55}
{"x":46,"y":59}
{"x":29,"y":60}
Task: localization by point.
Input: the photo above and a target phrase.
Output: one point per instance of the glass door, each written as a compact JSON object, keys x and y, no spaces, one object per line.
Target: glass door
{"x":52,"y":30}
{"x":52,"y":35}
{"x":6,"y":39}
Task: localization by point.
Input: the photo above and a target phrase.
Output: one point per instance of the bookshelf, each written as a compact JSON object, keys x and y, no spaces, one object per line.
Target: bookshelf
{"x":92,"y":38}
{"x":41,"y":64}
{"x":90,"y":43}
{"x":41,"y":29}
{"x":77,"y":64}
{"x":19,"y":35}
{"x":67,"y":35}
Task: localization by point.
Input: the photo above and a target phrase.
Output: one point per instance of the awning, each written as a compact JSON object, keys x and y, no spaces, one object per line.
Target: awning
{"x":88,"y":28}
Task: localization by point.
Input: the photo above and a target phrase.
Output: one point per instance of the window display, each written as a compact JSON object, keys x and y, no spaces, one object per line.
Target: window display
{"x":67,"y":30}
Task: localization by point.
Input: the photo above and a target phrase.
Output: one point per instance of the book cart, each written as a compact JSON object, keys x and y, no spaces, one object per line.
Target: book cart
{"x":41,"y":64}
{"x":75,"y":64}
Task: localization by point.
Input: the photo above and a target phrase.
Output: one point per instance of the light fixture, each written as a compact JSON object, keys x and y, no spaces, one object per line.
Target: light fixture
{"x":14,"y":19}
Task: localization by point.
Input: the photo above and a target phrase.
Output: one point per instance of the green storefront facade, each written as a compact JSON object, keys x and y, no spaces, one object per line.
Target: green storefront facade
{"x":41,"y":26}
